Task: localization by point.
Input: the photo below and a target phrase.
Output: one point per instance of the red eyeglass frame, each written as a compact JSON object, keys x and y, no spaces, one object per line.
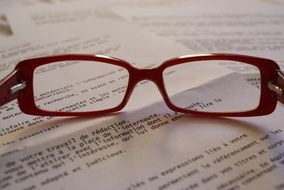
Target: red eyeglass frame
{"x":24,"y":71}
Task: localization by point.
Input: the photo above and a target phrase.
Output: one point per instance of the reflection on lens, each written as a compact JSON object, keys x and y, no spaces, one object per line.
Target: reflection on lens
{"x":209,"y":86}
{"x":79,"y":86}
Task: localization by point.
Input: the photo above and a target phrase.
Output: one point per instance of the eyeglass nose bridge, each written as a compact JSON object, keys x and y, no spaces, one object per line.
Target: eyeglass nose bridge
{"x":150,"y":74}
{"x":146,"y":74}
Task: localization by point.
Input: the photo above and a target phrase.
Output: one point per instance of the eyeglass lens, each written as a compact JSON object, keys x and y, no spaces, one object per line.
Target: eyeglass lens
{"x":199,"y":85}
{"x":79,"y":86}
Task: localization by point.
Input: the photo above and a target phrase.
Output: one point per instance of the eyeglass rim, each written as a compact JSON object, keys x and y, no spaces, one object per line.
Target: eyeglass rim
{"x":24,"y":71}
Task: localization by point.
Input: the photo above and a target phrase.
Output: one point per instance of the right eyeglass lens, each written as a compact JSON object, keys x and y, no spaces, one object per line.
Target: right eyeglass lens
{"x":213,"y":86}
{"x":79,"y":86}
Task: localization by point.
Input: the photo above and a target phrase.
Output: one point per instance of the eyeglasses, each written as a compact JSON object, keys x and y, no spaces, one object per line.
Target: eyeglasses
{"x":77,"y":85}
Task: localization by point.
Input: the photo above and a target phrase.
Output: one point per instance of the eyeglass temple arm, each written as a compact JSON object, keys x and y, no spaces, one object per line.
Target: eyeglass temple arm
{"x":9,"y":88}
{"x":278,"y":86}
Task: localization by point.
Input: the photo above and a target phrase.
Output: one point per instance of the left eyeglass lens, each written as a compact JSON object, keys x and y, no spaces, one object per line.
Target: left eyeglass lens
{"x":213,"y":86}
{"x":79,"y":86}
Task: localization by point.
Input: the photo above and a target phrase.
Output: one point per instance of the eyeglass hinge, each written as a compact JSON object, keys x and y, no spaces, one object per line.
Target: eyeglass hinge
{"x":278,"y":85}
{"x":14,"y":89}
{"x":274,"y":88}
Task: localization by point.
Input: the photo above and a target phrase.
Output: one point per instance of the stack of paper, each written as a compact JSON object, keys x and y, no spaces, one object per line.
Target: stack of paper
{"x":146,"y":145}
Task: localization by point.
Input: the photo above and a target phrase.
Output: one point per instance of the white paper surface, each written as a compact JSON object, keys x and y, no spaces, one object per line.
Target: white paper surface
{"x":145,"y":146}
{"x":154,"y":148}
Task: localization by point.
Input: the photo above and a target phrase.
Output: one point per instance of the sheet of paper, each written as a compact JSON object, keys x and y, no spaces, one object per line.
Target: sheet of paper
{"x":231,"y":26}
{"x":8,"y":28}
{"x":42,"y":14}
{"x":29,"y":13}
{"x":154,"y":148}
